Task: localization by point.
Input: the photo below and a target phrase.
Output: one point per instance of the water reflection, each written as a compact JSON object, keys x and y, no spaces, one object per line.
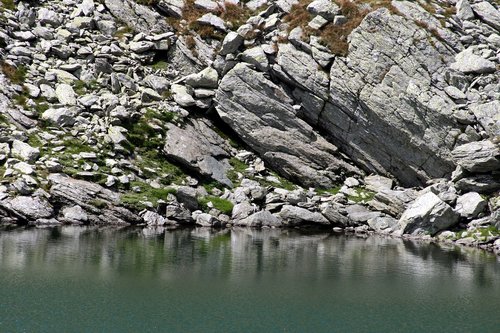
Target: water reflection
{"x":240,"y":253}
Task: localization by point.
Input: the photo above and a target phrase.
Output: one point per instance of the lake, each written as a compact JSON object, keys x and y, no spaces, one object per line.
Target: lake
{"x":85,"y":279}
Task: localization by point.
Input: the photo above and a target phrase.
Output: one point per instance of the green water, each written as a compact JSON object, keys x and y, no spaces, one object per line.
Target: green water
{"x":76,"y":279}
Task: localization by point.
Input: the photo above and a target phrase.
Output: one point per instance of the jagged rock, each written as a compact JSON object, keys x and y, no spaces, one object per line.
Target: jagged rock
{"x":382,"y":224}
{"x":332,"y":214}
{"x":24,"y":151}
{"x":28,"y":208}
{"x":153,"y":219}
{"x":484,"y":184}
{"x":260,"y":112}
{"x":207,"y":78}
{"x":206,"y":220}
{"x":181,"y":96}
{"x":140,"y":47}
{"x":187,"y":196}
{"x":212,"y":20}
{"x":378,"y":183}
{"x":232,"y":41}
{"x":257,"y":57}
{"x":286,"y":5}
{"x":487,"y":13}
{"x":293,"y":216}
{"x":317,"y":22}
{"x":467,"y":62}
{"x":139,"y":17}
{"x":157,"y":83}
{"x":470,"y":205}
{"x":481,"y":156}
{"x":47,"y":16}
{"x":391,"y":118}
{"x":464,"y":10}
{"x":426,"y":215}
{"x":60,"y":116}
{"x":198,"y":147}
{"x":207,"y":5}
{"x":101,"y":205}
{"x":260,"y":219}
{"x":326,"y":8}
{"x":242,"y":209}
{"x":172,"y":7}
{"x":488,"y":115}
{"x":179,"y":214}
{"x":115,"y":133}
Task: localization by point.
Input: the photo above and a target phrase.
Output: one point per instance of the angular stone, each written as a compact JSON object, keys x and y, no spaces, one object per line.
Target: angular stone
{"x":24,"y":151}
{"x":181,"y":96}
{"x":260,"y":219}
{"x":232,"y":41}
{"x":469,"y":63}
{"x":386,"y":112}
{"x":326,"y":8}
{"x":207,"y":78}
{"x":212,"y":20}
{"x":198,"y":147}
{"x":464,"y":10}
{"x":480,"y":156}
{"x":61,"y":116}
{"x":261,"y":113}
{"x":294,"y":216}
{"x":426,"y":215}
{"x":487,"y":13}
{"x":470,"y":205}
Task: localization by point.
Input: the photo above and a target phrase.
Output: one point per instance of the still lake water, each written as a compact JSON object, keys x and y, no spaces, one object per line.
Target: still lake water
{"x":76,"y":279}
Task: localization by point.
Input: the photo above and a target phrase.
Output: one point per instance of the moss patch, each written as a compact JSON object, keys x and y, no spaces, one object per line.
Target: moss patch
{"x":135,"y":200}
{"x":223,"y":205}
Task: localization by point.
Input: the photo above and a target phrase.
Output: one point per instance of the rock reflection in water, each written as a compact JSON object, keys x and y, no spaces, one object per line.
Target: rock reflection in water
{"x":239,"y":252}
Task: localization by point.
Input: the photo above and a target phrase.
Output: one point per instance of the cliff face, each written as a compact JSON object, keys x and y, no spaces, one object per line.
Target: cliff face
{"x":156,"y":109}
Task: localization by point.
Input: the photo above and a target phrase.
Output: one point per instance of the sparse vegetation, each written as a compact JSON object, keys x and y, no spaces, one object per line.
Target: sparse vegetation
{"x":81,"y":87}
{"x":16,"y":75}
{"x":223,"y":205}
{"x":335,"y":36}
{"x":147,"y":193}
{"x":8,"y":4}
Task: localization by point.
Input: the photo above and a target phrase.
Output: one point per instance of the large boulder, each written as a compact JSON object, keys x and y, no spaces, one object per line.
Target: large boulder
{"x":261,"y":113}
{"x":199,"y":148}
{"x":426,"y":216}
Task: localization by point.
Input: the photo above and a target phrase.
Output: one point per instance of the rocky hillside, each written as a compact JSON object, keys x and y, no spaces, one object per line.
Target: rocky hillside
{"x":364,"y":115}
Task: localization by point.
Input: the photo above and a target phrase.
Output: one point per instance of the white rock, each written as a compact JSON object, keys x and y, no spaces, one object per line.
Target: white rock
{"x":470,"y":205}
{"x":65,"y":94}
{"x":181,"y":96}
{"x":212,"y":20}
{"x":467,"y":62}
{"x":24,"y":151}
{"x":464,"y":10}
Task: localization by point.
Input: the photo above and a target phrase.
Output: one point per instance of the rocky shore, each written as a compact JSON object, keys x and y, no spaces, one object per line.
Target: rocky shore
{"x":365,"y":116}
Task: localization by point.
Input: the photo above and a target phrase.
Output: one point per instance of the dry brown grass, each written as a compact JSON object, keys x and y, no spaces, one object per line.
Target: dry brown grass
{"x":235,"y":14}
{"x":335,"y":36}
{"x":16,"y":75}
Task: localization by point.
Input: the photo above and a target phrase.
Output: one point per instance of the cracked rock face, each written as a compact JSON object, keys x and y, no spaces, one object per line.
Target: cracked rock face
{"x":386,"y":110}
{"x":262,"y":115}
